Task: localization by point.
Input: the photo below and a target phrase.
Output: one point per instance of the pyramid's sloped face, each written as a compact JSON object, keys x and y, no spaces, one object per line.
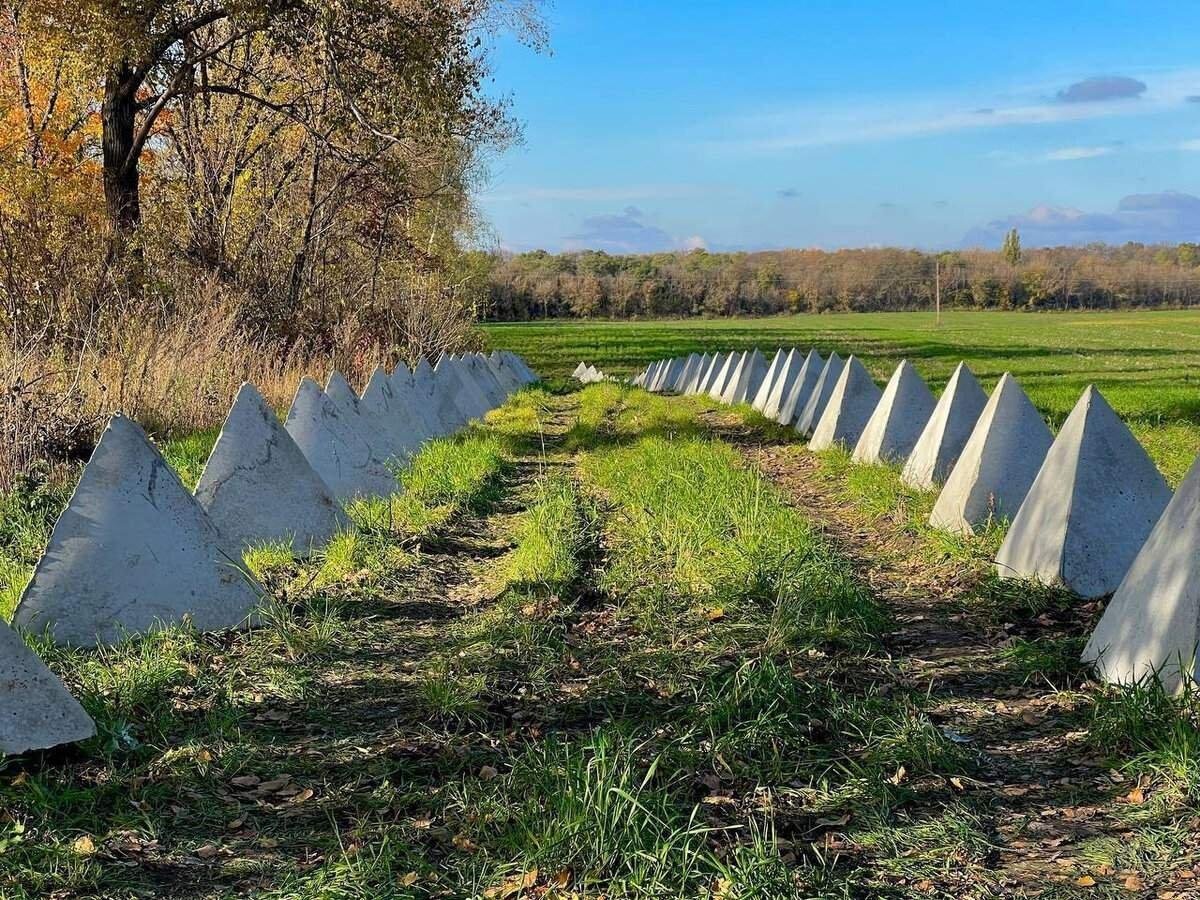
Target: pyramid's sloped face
{"x":36,"y":710}
{"x":1090,"y":508}
{"x":1152,"y":623}
{"x":795,"y":389}
{"x":947,"y":432}
{"x":814,"y":407}
{"x":998,"y":465}
{"x":850,"y":406}
{"x":898,"y":419}
{"x":257,"y":486}
{"x":331,"y":441}
{"x":132,"y":551}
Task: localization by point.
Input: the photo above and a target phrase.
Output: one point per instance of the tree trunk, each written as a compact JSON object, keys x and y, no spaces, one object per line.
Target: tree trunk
{"x":118,"y":117}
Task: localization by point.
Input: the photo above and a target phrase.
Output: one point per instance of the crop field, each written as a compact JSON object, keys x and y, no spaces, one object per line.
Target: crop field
{"x":611,"y":644}
{"x":1147,"y":364}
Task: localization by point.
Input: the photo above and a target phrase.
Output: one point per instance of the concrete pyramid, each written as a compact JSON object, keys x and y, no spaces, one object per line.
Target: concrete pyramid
{"x":503,"y":372}
{"x":759,"y":400}
{"x":257,"y":486}
{"x":332,"y":442}
{"x":946,"y":432}
{"x":467,"y":393}
{"x":898,"y":420}
{"x":1091,"y":507}
{"x":850,"y":406}
{"x":416,"y":394}
{"x":1152,"y":624}
{"x":132,"y":551}
{"x":794,"y":387}
{"x":998,"y":463}
{"x":485,"y":376}
{"x":376,"y":433}
{"x":724,"y":374}
{"x":526,"y":375}
{"x":688,"y":373}
{"x":693,"y":383}
{"x":746,"y":378}
{"x":704,"y":385}
{"x":36,"y":710}
{"x":810,"y":414}
{"x":669,"y":374}
{"x":405,"y":430}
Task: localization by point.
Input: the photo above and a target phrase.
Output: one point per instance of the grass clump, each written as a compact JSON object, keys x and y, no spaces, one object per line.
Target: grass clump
{"x":552,"y":537}
{"x":462,"y":473}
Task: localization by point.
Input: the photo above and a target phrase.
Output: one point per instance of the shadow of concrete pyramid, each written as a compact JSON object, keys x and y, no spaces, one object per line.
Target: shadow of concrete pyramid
{"x":759,"y":399}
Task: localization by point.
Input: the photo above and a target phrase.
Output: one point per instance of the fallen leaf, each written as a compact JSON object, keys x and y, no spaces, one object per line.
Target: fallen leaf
{"x":1134,"y":882}
{"x":899,"y":776}
{"x":274,"y":784}
{"x":714,"y":613}
{"x":306,"y":794}
{"x":487,"y":773}
{"x":84,"y":845}
{"x":408,"y":880}
{"x":207,"y":851}
{"x":561,"y":879}
{"x":1136,"y":796}
{"x":1085,"y":881}
{"x":236,"y":823}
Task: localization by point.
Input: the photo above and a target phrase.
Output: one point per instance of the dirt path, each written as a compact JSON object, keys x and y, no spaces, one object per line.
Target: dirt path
{"x":1042,"y":798}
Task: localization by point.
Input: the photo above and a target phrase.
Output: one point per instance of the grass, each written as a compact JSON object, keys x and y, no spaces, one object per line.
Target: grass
{"x":591,"y":651}
{"x":1145,"y":362}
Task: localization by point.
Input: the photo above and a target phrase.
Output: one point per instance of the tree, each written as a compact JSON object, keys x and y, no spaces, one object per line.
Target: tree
{"x":1011,"y":248}
{"x":368,"y":80}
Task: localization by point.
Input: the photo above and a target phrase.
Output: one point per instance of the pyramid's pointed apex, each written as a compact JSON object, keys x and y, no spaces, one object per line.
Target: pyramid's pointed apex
{"x":36,"y":710}
{"x":946,"y":433}
{"x":132,"y":551}
{"x":848,"y":410}
{"x":898,"y":419}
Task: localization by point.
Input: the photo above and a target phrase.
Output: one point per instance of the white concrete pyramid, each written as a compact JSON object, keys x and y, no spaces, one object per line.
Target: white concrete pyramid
{"x":724,"y":374}
{"x":333,"y":444}
{"x":670,"y":373}
{"x":810,"y":414}
{"x":466,"y":392}
{"x":416,"y":394}
{"x":746,"y":378}
{"x":850,"y":406}
{"x":504,"y":372}
{"x":693,"y":384}
{"x":486,"y":378}
{"x":579,"y":369}
{"x":998,"y":464}
{"x":704,"y":385}
{"x":36,"y":709}
{"x":391,"y":414}
{"x":898,"y":420}
{"x":377,"y":435}
{"x":257,"y":487}
{"x":1152,"y":624}
{"x":795,"y":386}
{"x":688,"y":373}
{"x":946,"y":432}
{"x":759,"y":400}
{"x":1091,"y":507}
{"x":133,"y":551}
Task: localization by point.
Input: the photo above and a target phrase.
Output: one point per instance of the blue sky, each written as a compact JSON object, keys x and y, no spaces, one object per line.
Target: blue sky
{"x":666,"y":124}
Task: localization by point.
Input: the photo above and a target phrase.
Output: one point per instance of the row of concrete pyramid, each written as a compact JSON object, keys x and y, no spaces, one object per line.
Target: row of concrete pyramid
{"x":134,"y":550}
{"x":585,"y":373}
{"x":1089,"y":509}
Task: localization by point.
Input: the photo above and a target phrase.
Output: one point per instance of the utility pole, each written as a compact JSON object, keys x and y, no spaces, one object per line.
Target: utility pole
{"x":937,"y":288}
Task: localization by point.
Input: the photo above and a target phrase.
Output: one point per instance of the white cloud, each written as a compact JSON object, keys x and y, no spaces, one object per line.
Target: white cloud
{"x":1071,"y":153}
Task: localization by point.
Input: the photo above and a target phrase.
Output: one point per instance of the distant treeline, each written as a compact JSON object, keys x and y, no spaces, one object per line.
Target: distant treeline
{"x":697,"y":283}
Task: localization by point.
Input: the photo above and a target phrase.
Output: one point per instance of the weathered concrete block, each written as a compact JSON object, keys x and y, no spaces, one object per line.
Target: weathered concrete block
{"x":795,"y":387}
{"x":36,"y":709}
{"x":375,"y":433}
{"x":810,"y":414}
{"x":421,"y":394}
{"x":1151,"y":627}
{"x":1091,"y":507}
{"x":898,"y":420}
{"x":334,"y":446}
{"x":257,"y":487}
{"x":998,"y":464}
{"x":850,"y":406}
{"x":946,"y":432}
{"x":133,"y":551}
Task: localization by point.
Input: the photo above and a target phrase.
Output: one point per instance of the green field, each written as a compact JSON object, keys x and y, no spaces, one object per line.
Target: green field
{"x":1146,"y":363}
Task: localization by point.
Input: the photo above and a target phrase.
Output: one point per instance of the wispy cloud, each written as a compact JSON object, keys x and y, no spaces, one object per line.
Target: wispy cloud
{"x":597,"y":194}
{"x":877,"y":120}
{"x":1167,"y":217}
{"x":627,"y":232}
{"x":1066,"y":154}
